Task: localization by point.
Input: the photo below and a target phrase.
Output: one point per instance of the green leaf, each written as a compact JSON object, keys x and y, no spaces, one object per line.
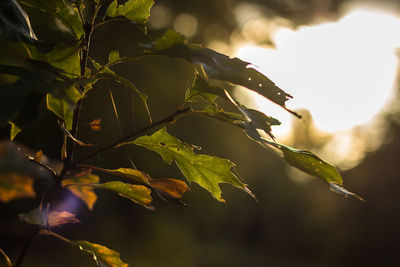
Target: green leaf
{"x":134,"y":10}
{"x":63,"y":57}
{"x":85,"y":193}
{"x":137,"y":193}
{"x":15,"y":130}
{"x":113,"y":56}
{"x":205,"y":170}
{"x":63,"y":102}
{"x":65,"y":11}
{"x":311,"y":164}
{"x":221,"y":67}
{"x":218,"y":113}
{"x":14,"y":186}
{"x":169,"y":39}
{"x":126,"y":173}
{"x":201,"y":89}
{"x":103,"y":256}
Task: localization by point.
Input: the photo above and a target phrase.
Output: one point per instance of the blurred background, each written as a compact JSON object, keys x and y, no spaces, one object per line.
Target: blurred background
{"x":338,"y":58}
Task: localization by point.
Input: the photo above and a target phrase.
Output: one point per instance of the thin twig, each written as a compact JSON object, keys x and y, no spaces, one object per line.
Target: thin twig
{"x":109,"y":20}
{"x":25,"y":249}
{"x":48,"y":232}
{"x":170,"y":119}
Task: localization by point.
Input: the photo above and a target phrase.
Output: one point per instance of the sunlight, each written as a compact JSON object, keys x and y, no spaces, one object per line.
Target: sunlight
{"x":342,"y":72}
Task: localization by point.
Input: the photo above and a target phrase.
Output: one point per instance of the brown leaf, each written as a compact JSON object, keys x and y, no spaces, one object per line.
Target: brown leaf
{"x":95,"y":125}
{"x":13,"y":186}
{"x":57,"y":218}
{"x":169,"y":188}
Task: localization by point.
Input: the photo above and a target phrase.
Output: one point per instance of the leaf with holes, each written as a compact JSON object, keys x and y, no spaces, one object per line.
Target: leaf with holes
{"x":205,"y":170}
{"x":133,"y":10}
{"x":75,"y":182}
{"x":221,"y":67}
{"x":311,"y":164}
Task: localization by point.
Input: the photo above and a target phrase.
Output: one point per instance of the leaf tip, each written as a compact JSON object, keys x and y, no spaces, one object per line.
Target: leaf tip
{"x":342,"y":191}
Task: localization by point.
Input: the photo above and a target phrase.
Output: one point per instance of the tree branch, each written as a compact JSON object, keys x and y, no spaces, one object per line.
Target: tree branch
{"x":88,"y":27}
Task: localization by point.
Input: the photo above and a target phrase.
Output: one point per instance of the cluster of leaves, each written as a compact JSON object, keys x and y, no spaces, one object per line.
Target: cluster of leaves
{"x":61,"y":75}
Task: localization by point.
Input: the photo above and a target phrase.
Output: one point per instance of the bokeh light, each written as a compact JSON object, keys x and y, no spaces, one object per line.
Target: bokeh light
{"x":343,"y":72}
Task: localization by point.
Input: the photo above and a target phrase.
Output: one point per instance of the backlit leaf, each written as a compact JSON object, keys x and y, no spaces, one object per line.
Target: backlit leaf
{"x":205,"y":170}
{"x":167,"y":187}
{"x":103,"y":256}
{"x":64,"y":57}
{"x":13,"y":186}
{"x":169,"y":39}
{"x":236,"y":71}
{"x":218,"y":113}
{"x":63,"y":104}
{"x":15,"y":130}
{"x":137,"y":193}
{"x":311,"y":164}
{"x":221,"y":67}
{"x":134,"y":10}
{"x":95,"y":125}
{"x":113,"y":56}
{"x":201,"y":89}
{"x":85,"y":193}
{"x":54,"y":218}
{"x":127,"y":173}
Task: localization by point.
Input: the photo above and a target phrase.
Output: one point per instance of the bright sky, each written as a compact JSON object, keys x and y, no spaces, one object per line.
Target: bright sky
{"x":342,"y":72}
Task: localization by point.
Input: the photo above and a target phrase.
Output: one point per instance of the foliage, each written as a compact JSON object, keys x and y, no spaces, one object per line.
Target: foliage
{"x":60,"y":74}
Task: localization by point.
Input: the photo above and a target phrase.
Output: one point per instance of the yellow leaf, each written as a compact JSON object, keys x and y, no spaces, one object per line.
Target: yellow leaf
{"x":85,"y":193}
{"x":13,"y":186}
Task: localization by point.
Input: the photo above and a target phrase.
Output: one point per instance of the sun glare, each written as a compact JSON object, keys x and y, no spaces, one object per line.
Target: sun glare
{"x":342,"y":72}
